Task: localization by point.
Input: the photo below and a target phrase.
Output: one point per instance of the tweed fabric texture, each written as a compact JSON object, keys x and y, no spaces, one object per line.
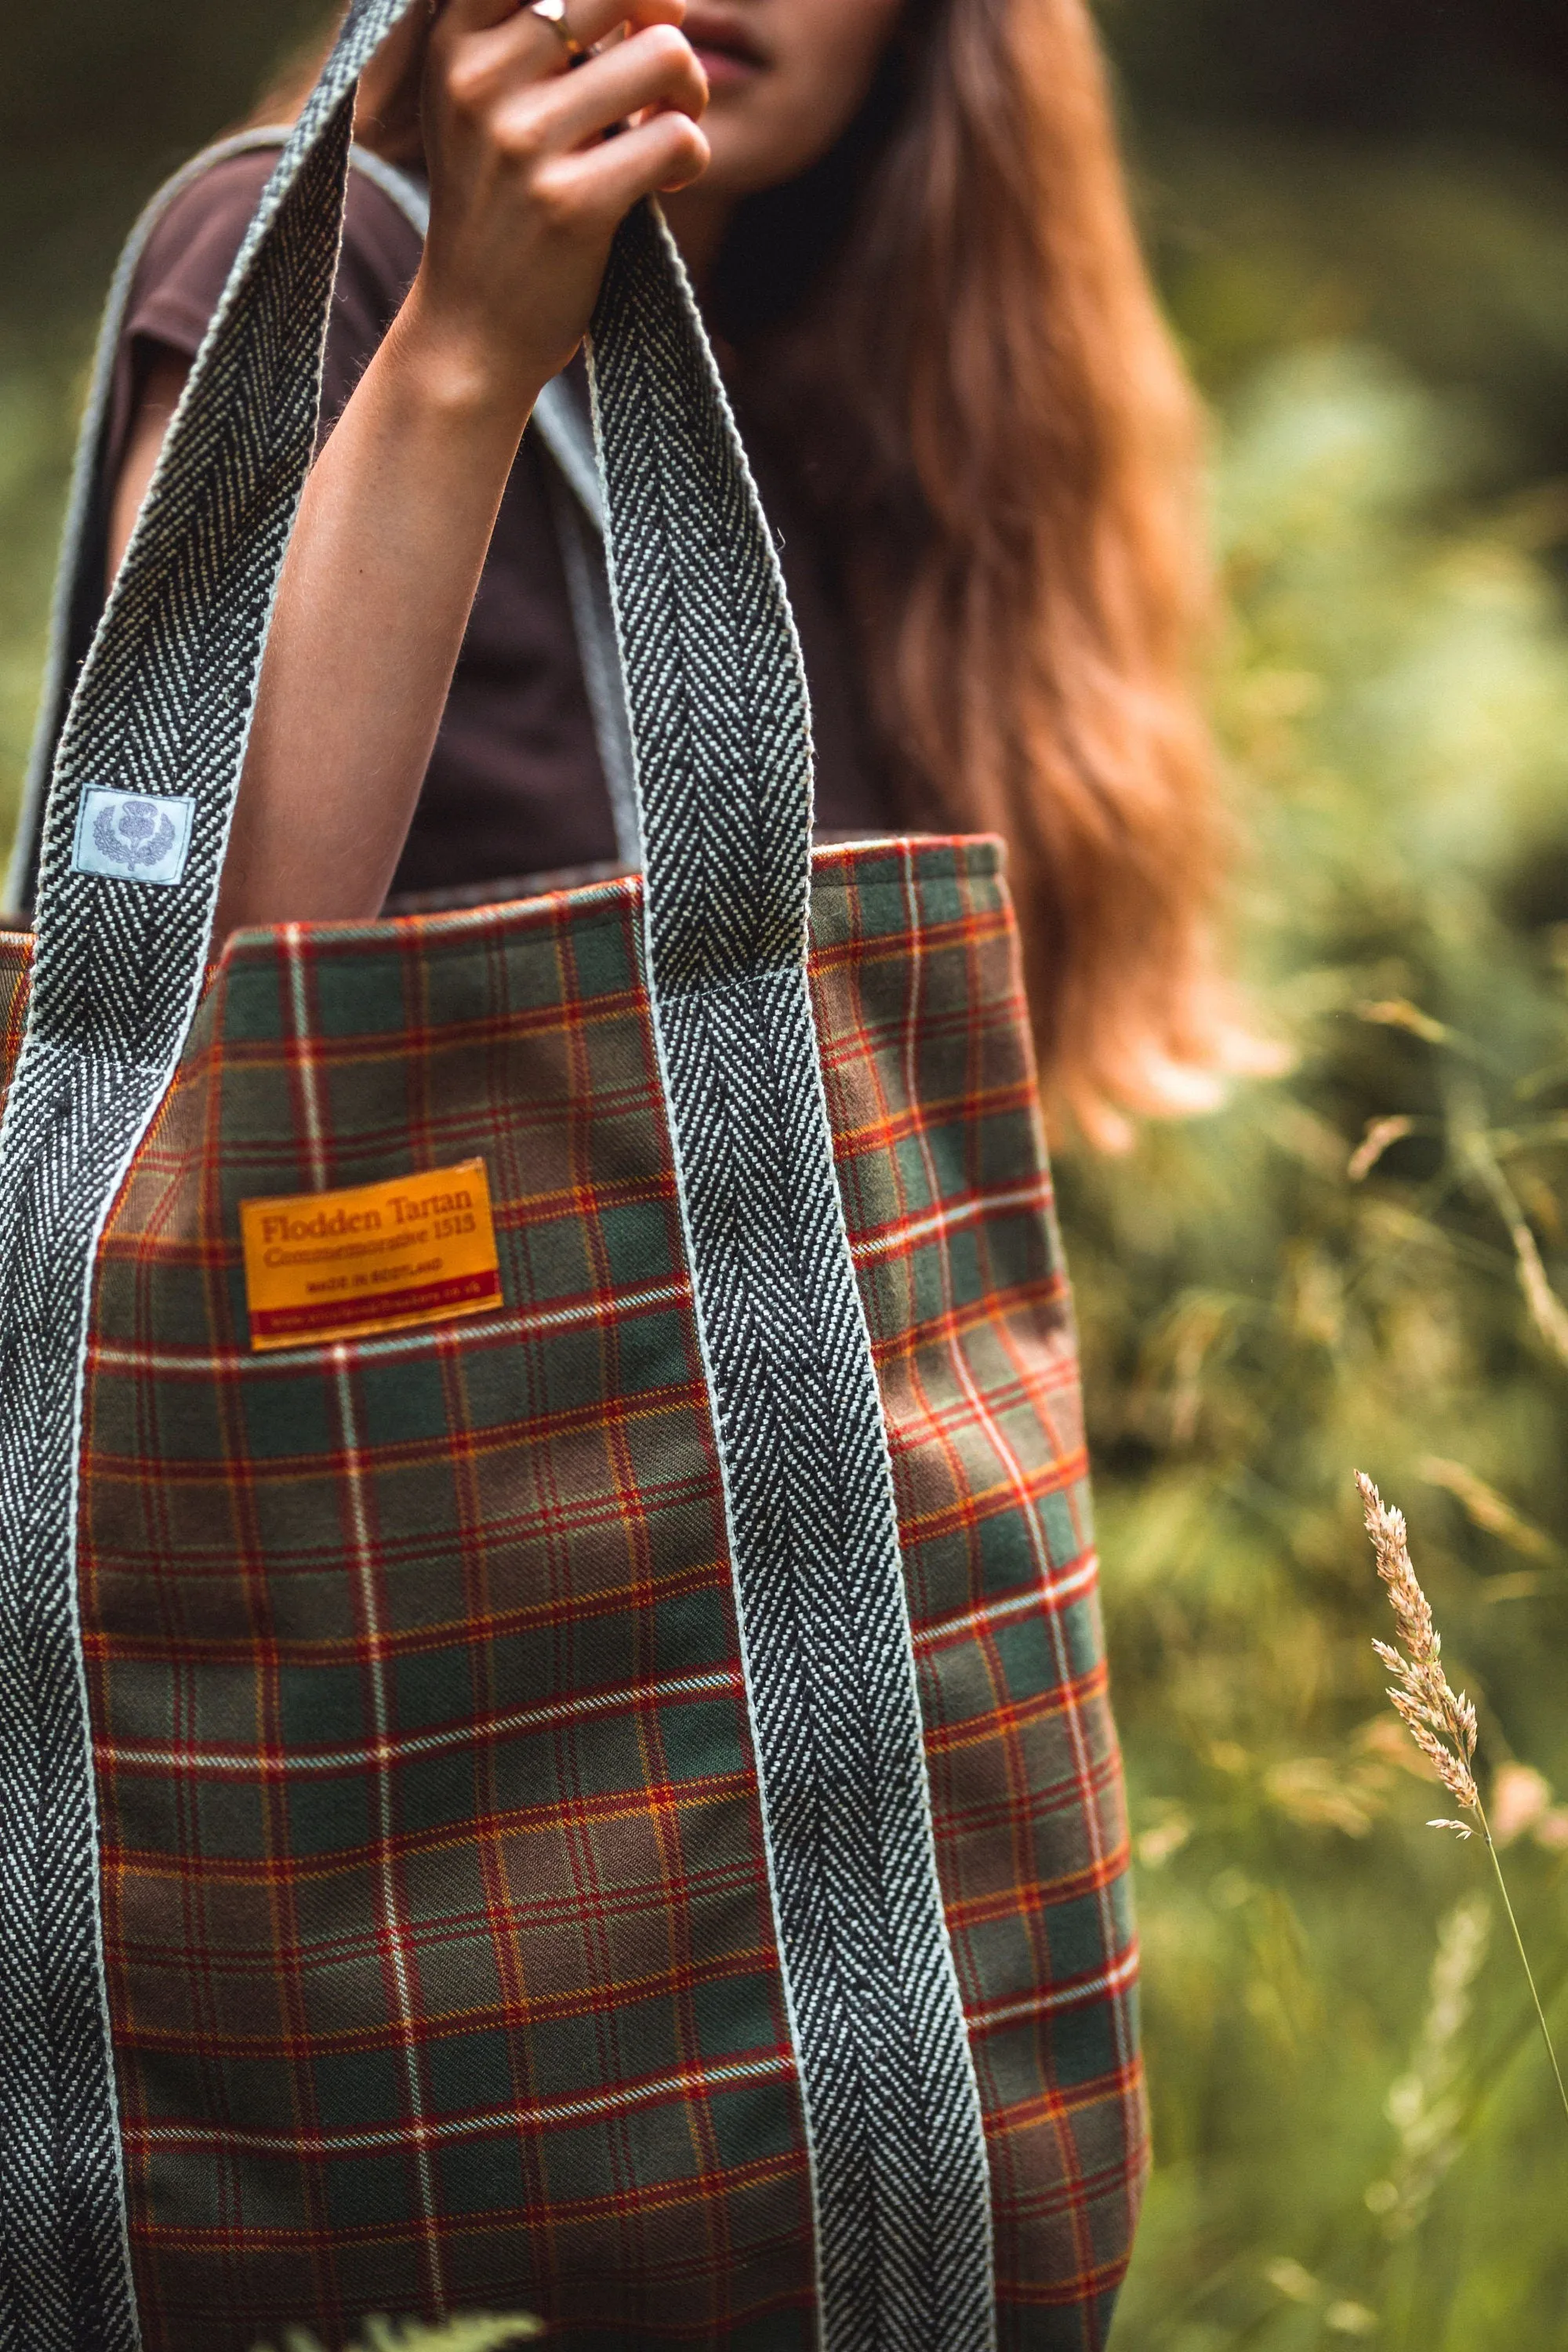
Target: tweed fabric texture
{"x":441,"y":1959}
{"x":716,"y":691}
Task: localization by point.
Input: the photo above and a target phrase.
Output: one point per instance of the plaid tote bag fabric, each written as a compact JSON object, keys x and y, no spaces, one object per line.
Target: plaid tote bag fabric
{"x":555,"y":1746}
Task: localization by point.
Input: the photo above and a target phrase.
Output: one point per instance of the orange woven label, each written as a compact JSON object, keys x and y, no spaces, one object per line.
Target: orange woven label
{"x":337,"y":1266}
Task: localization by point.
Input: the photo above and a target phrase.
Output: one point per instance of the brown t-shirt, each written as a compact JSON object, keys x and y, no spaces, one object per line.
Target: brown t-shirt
{"x":515,"y":785}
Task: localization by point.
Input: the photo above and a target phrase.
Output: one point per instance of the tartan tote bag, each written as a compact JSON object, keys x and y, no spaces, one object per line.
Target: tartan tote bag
{"x":555,"y":1753}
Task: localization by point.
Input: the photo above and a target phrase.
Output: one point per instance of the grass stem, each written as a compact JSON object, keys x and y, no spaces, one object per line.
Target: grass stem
{"x":1524,"y":1956}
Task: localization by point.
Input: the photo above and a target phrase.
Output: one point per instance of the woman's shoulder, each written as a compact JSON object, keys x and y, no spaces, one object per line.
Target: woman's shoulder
{"x":184,"y":264}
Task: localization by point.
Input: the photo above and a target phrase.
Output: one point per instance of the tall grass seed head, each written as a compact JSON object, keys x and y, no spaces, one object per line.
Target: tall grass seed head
{"x":1439,"y":1719}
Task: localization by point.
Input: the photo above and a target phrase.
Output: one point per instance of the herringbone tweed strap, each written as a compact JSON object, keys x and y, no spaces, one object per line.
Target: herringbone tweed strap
{"x":163,"y":711}
{"x":721,"y":734}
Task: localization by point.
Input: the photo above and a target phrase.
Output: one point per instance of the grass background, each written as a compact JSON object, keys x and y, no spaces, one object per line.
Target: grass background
{"x":1359,"y":212}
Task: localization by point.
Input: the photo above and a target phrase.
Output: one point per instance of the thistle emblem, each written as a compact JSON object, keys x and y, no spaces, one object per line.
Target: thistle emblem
{"x":134,"y":833}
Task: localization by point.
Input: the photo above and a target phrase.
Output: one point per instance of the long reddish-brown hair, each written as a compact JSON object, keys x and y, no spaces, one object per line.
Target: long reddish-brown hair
{"x":949,"y":330}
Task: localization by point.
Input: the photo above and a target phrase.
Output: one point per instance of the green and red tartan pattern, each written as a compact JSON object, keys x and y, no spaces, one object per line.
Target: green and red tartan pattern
{"x":441,"y":1963}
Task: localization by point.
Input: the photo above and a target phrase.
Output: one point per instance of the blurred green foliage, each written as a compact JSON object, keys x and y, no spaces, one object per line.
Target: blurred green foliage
{"x":475,"y":2333}
{"x":1360,"y":220}
{"x":1260,"y":1318}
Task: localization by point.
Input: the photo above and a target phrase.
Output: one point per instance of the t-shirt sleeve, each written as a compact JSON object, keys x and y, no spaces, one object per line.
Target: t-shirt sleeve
{"x":185,"y":268}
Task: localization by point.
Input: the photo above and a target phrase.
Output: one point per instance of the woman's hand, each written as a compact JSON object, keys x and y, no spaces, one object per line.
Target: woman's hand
{"x":526,"y":194}
{"x":527,"y":189}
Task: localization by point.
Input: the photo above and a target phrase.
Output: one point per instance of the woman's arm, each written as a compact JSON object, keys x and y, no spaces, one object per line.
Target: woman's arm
{"x":526,"y":194}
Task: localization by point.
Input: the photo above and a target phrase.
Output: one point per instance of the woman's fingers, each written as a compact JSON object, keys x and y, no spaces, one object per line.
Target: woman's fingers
{"x":592,"y":21}
{"x":657,"y":68}
{"x":525,"y":187}
{"x":604,"y":182}
{"x":519,"y":61}
{"x":524,"y":40}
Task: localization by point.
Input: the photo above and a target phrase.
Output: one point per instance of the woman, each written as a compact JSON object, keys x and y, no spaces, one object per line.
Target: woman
{"x":907,"y":226}
{"x":571,"y":2012}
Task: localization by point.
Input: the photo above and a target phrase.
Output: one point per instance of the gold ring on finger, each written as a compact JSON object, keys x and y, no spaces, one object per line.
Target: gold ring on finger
{"x":553,"y":13}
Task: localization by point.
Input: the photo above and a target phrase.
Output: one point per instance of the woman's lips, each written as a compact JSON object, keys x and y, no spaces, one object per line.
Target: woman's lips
{"x":724,"y":49}
{"x":723,"y":67}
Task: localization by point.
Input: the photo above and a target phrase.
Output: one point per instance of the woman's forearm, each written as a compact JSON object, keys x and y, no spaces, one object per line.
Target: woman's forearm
{"x":374,"y":600}
{"x":526,"y":191}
